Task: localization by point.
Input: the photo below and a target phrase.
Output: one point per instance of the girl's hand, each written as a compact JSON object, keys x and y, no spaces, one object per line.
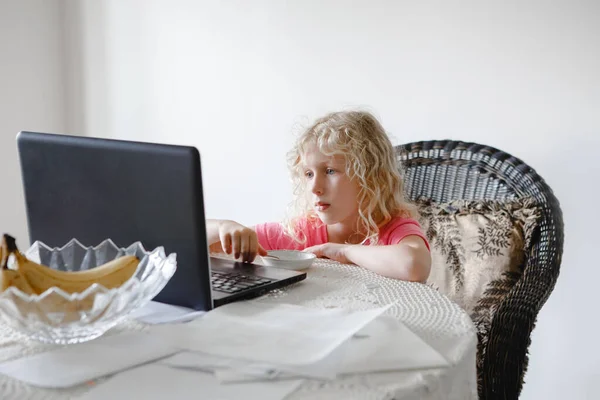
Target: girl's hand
{"x":333,"y":251}
{"x":240,"y":240}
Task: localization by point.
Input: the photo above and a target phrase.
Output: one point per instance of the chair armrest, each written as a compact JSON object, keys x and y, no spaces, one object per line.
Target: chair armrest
{"x":506,"y":359}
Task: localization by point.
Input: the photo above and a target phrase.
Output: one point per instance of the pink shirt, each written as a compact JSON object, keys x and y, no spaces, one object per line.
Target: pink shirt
{"x":272,"y":236}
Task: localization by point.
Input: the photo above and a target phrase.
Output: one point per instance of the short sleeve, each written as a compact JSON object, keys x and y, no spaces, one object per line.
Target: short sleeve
{"x":272,"y":236}
{"x":399,"y":228}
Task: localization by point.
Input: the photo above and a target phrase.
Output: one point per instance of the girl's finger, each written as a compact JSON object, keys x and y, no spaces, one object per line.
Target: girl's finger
{"x":246,"y":246}
{"x":226,"y":243}
{"x":261,"y":251}
{"x":253,"y":248}
{"x":236,"y":244}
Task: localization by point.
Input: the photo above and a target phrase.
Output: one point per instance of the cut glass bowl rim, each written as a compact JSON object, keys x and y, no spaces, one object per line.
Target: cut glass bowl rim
{"x":136,"y":248}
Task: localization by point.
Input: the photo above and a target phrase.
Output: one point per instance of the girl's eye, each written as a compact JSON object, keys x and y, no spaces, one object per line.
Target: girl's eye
{"x":330,"y":171}
{"x":308,"y":174}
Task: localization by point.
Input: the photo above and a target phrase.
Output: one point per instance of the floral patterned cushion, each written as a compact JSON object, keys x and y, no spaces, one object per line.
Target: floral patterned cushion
{"x":478,"y":251}
{"x":477,"y":245}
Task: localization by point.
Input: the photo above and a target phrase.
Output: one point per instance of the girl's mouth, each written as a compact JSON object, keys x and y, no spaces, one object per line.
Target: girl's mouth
{"x":322,"y":206}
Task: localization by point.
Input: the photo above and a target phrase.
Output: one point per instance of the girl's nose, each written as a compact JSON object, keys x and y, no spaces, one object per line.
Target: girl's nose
{"x":317,"y":187}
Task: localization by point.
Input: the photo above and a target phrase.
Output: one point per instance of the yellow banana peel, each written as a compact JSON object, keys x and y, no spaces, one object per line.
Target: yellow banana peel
{"x":31,"y":277}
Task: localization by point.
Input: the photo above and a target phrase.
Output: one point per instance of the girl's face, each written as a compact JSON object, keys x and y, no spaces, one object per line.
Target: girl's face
{"x":331,"y":192}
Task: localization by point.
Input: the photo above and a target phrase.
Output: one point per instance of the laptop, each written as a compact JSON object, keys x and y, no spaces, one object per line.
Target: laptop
{"x":92,"y":189}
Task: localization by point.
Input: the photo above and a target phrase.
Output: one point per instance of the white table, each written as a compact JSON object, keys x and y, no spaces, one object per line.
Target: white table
{"x":441,"y":323}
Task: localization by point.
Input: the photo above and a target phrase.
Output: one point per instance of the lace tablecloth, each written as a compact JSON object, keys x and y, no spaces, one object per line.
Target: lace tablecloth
{"x":441,"y":323}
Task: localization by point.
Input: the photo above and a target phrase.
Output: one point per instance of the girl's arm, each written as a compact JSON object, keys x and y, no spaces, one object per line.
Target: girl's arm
{"x":212,"y":230}
{"x":408,"y":260}
{"x":212,"y":235}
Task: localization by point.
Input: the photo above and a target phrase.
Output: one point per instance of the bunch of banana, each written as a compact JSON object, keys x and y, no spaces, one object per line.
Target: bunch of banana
{"x":34,"y":278}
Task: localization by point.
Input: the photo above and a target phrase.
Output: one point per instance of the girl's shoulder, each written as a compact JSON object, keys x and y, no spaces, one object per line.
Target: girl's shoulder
{"x":400,"y":227}
{"x":397,"y":222}
{"x":275,"y":235}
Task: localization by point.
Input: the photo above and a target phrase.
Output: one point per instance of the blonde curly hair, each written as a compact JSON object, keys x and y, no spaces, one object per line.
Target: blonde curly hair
{"x":370,"y":159}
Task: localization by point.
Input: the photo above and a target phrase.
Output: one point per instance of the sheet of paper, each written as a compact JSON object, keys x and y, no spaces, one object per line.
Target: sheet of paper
{"x":80,"y":363}
{"x":161,"y":313}
{"x":234,"y":370}
{"x":199,"y":361}
{"x":159,"y":382}
{"x":325,"y":369}
{"x":280,"y":334}
{"x":386,"y":344}
{"x":228,"y":376}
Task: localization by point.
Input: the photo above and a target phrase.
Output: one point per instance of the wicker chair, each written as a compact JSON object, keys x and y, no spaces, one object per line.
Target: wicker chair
{"x":448,"y":170}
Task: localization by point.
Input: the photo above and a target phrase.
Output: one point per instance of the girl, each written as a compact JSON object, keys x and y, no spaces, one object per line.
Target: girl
{"x":350,"y":205}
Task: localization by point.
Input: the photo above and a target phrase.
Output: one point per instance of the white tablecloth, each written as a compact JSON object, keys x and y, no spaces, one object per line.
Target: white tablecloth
{"x":441,"y":323}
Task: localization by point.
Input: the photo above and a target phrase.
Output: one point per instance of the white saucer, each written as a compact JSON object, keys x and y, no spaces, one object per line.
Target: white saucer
{"x":289,"y":259}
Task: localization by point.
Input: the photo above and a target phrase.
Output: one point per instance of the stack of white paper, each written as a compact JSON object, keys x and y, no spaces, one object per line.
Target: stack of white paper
{"x":385,"y":344}
{"x":260,"y":350}
{"x":278,"y":334}
{"x":158,"y":382}
{"x":76,"y":364}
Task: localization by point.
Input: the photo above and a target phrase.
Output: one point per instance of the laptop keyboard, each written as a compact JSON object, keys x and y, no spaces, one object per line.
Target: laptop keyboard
{"x":233,"y":283}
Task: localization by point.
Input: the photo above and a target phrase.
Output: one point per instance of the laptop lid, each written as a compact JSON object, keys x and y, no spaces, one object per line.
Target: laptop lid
{"x":92,"y":189}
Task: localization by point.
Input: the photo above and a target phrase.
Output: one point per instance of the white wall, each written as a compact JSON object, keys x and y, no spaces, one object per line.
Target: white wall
{"x":31,"y":93}
{"x":234,"y":77}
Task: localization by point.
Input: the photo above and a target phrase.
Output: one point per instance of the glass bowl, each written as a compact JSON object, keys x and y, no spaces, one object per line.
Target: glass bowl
{"x":58,"y":317}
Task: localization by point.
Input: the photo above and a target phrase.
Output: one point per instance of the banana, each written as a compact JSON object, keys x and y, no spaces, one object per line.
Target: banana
{"x":110,"y":275}
{"x":4,"y":253}
{"x":11,"y":277}
{"x":40,"y":277}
